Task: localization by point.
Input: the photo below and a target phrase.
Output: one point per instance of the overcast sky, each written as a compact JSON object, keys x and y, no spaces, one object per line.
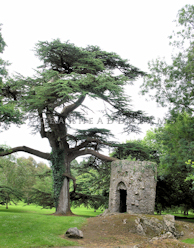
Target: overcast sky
{"x":136,"y":30}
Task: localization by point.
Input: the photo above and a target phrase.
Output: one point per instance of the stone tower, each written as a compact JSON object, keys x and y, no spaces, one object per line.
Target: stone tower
{"x":132,"y":187}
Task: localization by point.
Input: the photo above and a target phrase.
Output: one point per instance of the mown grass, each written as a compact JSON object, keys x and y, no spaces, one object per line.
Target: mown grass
{"x":25,"y":226}
{"x":188,"y":241}
{"x":190,"y":215}
{"x":31,"y":226}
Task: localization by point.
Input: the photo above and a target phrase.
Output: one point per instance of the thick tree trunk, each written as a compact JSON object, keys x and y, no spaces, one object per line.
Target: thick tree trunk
{"x":63,"y":207}
{"x":63,"y":204}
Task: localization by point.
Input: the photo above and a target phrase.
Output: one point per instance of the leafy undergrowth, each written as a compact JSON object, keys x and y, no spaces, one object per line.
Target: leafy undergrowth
{"x":31,"y":226}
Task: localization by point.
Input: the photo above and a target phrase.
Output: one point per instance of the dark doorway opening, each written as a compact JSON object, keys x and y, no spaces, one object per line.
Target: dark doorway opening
{"x":123,"y":198}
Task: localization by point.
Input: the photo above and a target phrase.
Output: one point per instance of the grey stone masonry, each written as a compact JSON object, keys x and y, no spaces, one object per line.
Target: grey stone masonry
{"x":132,"y":187}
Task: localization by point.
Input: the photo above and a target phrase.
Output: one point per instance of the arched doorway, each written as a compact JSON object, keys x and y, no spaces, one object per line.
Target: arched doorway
{"x":123,"y":201}
{"x":122,"y":197}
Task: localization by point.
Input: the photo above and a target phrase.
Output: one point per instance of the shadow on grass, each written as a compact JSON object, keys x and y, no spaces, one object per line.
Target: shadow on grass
{"x":187,"y":219}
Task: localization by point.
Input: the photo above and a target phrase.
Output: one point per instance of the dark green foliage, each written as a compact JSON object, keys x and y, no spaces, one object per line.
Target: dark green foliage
{"x":42,"y":198}
{"x":136,"y":149}
{"x":93,"y":182}
{"x":93,"y":201}
{"x":177,"y":142}
{"x":58,"y":168}
{"x":101,"y":134}
{"x":8,"y":115}
{"x":175,"y":147}
{"x":172,"y":190}
{"x":9,"y":194}
{"x":66,"y":58}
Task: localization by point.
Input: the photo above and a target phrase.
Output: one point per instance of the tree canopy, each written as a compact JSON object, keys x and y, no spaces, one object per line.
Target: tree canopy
{"x":136,"y":149}
{"x":174,"y":143}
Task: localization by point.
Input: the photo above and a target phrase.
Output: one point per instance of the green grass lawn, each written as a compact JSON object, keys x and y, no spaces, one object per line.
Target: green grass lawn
{"x":32,"y":226}
{"x":188,"y":241}
{"x":190,"y":215}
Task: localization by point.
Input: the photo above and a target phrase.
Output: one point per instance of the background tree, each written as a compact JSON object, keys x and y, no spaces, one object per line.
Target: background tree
{"x":28,"y":176}
{"x":8,"y":111}
{"x":9,"y":188}
{"x":175,"y":143}
{"x":41,"y":192}
{"x":92,"y":183}
{"x":68,"y":76}
{"x":25,"y":179}
{"x":172,"y":85}
{"x":139,"y":150}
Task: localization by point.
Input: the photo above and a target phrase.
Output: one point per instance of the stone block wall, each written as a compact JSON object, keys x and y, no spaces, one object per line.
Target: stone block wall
{"x":132,"y":187}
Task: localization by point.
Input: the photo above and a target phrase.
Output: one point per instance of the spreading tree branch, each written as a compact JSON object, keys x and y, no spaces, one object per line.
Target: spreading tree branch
{"x":82,"y":145}
{"x":94,"y":153}
{"x":43,"y":155}
{"x":66,"y":110}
